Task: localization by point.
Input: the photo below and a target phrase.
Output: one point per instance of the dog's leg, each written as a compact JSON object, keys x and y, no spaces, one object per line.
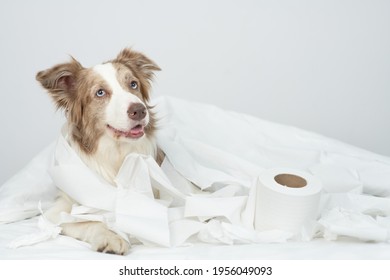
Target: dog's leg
{"x":98,"y":235}
{"x":95,"y":233}
{"x":62,"y":204}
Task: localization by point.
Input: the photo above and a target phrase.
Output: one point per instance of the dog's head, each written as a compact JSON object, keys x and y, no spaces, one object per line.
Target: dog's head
{"x":110,"y":98}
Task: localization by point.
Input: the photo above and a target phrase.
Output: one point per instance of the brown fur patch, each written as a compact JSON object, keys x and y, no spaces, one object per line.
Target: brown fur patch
{"x":61,"y":81}
{"x":142,"y":67}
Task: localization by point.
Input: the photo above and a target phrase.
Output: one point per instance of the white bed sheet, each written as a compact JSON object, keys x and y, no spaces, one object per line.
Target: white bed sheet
{"x":67,"y":248}
{"x":238,"y":146}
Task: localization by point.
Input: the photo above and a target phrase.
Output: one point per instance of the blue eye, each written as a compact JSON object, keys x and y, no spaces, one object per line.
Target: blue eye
{"x":100,"y":93}
{"x":134,"y":85}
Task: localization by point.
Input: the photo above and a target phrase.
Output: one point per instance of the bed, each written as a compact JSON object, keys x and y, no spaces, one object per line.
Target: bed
{"x":220,"y":153}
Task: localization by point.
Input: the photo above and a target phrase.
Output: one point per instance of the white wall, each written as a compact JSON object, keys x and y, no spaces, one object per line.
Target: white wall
{"x":320,"y":65}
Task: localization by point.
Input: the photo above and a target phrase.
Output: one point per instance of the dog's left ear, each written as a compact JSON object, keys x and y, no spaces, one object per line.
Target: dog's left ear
{"x":142,"y":66}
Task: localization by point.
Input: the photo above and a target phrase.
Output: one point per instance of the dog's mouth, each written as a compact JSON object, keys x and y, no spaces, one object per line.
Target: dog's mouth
{"x":134,"y":133}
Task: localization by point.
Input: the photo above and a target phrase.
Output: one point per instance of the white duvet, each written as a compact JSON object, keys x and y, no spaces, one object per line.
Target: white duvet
{"x":207,"y":182}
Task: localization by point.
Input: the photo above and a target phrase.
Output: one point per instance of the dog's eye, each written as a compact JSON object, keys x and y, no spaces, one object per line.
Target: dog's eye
{"x":100,"y":93}
{"x":134,"y":85}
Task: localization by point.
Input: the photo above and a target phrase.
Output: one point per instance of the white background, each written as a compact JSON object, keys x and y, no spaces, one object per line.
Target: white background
{"x":320,"y":65}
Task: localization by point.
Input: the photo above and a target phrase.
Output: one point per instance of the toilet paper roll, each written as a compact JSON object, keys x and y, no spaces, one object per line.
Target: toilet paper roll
{"x":286,"y":199}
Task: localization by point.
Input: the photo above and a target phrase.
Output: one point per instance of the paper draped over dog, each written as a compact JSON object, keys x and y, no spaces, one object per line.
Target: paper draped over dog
{"x":132,"y":208}
{"x":205,"y":190}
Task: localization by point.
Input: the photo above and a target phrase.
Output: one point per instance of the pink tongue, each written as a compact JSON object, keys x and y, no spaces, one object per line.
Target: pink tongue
{"x":137,"y":130}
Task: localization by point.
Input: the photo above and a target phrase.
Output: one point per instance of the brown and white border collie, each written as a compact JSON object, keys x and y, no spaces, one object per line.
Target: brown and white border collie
{"x":108,"y":117}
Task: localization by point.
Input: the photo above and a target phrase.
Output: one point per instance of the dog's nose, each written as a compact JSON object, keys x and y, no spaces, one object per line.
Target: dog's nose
{"x":136,"y":111}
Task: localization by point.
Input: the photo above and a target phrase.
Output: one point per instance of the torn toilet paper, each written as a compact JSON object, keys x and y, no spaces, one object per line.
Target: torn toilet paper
{"x":209,"y":195}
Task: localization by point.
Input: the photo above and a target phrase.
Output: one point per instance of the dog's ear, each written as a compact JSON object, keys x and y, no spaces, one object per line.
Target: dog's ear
{"x":142,"y":66}
{"x":60,"y":81}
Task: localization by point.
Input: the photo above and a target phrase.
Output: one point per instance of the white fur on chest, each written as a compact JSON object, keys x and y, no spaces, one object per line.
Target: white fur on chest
{"x":110,"y":155}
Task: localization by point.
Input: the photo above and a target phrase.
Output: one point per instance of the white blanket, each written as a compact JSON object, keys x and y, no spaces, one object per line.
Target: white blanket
{"x":213,"y":159}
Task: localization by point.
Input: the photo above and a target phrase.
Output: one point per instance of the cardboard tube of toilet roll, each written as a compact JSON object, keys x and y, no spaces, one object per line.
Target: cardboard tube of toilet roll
{"x":286,"y":199}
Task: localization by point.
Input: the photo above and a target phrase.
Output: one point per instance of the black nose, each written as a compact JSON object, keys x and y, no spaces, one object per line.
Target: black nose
{"x":136,"y":111}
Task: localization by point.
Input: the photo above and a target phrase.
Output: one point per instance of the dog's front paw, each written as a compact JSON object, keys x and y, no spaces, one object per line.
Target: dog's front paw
{"x":110,"y":242}
{"x":98,"y":235}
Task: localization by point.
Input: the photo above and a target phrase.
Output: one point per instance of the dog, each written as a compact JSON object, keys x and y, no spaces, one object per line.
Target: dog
{"x":108,"y":117}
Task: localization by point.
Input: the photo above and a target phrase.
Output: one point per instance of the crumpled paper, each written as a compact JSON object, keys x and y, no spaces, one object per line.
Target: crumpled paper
{"x":131,"y":208}
{"x":135,"y":209}
{"x":46,"y":230}
{"x":207,"y":163}
{"x":357,"y":216}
